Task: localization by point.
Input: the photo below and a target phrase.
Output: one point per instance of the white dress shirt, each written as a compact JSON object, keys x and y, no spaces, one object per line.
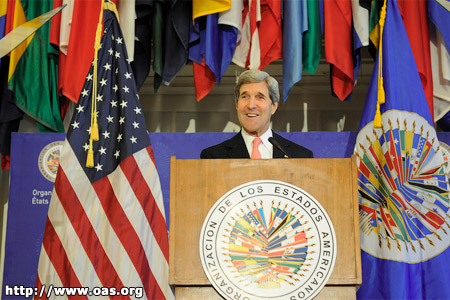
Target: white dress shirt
{"x":265,"y":148}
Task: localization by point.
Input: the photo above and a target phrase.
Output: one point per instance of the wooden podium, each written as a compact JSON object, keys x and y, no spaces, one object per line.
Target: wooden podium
{"x":196,"y":184}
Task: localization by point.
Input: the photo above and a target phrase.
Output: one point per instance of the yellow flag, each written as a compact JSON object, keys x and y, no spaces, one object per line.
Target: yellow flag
{"x":203,"y":8}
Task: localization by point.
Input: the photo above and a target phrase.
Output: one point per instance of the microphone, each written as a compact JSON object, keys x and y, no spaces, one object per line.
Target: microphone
{"x":278,"y":146}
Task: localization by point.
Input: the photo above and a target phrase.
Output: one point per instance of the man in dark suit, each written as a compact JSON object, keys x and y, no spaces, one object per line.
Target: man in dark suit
{"x":257,"y":96}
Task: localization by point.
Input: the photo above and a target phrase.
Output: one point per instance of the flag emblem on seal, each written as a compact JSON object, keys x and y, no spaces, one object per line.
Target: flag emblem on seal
{"x":268,"y":252}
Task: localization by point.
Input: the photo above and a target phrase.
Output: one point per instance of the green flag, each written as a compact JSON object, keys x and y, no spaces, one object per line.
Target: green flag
{"x":33,"y":78}
{"x":312,"y":39}
{"x":373,"y":22}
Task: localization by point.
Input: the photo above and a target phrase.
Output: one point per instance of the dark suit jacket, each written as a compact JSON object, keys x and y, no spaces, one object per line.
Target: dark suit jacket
{"x":235,"y":148}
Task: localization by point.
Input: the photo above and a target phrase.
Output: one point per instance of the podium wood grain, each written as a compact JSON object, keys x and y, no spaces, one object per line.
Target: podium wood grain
{"x":207,"y":292}
{"x":197,"y":184}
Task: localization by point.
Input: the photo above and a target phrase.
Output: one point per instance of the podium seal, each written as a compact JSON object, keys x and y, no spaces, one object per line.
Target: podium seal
{"x":267,"y":239}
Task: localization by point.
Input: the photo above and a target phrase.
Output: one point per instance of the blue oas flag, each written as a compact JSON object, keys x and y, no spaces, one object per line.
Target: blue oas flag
{"x":403,"y":189}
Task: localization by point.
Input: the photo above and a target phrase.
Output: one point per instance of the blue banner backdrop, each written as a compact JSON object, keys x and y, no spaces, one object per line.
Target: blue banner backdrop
{"x":31,"y":184}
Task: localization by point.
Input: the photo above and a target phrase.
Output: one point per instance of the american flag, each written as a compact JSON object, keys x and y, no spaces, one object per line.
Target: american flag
{"x":106,"y":225}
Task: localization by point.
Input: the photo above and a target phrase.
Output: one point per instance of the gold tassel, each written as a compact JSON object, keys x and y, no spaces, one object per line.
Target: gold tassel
{"x":377,"y":120}
{"x":94,"y":130}
{"x":90,"y":156}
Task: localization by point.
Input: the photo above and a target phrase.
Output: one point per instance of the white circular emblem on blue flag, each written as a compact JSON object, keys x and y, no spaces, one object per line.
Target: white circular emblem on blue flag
{"x":267,"y":240}
{"x":49,"y":160}
{"x":403,"y":189}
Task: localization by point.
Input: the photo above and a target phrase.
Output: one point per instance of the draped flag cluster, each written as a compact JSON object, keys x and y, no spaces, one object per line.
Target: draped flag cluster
{"x":33,"y":70}
{"x":10,"y":114}
{"x":29,"y":84}
{"x":403,"y":184}
{"x":254,"y":33}
{"x":164,"y":36}
{"x":106,"y":224}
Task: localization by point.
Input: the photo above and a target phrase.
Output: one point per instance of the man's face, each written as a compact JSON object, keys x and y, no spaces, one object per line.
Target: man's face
{"x":254,"y":108}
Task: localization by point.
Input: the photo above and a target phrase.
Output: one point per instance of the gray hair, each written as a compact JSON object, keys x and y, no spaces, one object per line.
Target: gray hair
{"x":251,"y":76}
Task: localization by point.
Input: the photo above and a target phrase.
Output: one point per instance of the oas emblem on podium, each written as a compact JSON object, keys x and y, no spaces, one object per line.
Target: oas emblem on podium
{"x":267,"y":239}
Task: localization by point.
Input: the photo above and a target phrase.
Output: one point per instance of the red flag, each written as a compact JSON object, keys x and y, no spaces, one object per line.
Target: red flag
{"x":204,"y":80}
{"x":80,"y":51}
{"x":9,"y":25}
{"x":415,"y":18}
{"x":270,"y":33}
{"x":338,"y":45}
{"x":55,"y":24}
{"x":106,"y":232}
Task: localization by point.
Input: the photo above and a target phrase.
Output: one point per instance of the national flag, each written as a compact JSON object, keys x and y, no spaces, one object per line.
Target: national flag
{"x":204,"y":8}
{"x":158,"y":29}
{"x":248,"y":54}
{"x":176,"y":38}
{"x":142,"y":40}
{"x":415,"y":19}
{"x":295,"y":22}
{"x":33,"y":69}
{"x":360,"y":30}
{"x":403,"y":188}
{"x":61,"y":24}
{"x":20,"y":33}
{"x":360,"y":17}
{"x":59,"y":37}
{"x":270,"y":32}
{"x":3,"y":9}
{"x":127,"y":16}
{"x":10,"y":115}
{"x":204,"y":78}
{"x":322,"y":16}
{"x":106,"y":225}
{"x":374,"y":17}
{"x":438,"y":12}
{"x":374,"y":29}
{"x":312,"y":38}
{"x":261,"y":40}
{"x":213,"y":50}
{"x":338,"y":46}
{"x":80,"y":48}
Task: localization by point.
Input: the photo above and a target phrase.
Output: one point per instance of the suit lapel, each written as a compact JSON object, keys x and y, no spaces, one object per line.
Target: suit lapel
{"x":277,"y":153}
{"x":236,"y":147}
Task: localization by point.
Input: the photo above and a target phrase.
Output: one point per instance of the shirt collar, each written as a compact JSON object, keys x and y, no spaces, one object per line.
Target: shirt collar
{"x":248,"y":139}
